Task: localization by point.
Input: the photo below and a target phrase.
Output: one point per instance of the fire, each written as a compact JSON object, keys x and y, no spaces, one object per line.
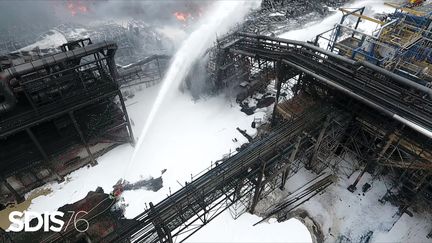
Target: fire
{"x":180,"y":16}
{"x":76,"y":7}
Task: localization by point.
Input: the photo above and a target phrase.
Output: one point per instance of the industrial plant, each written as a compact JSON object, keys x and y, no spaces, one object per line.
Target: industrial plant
{"x":165,"y":125}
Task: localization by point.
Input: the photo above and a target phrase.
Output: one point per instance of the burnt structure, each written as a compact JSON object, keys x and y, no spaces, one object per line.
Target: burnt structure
{"x":57,"y":113}
{"x":146,"y":72}
{"x":388,"y":128}
{"x":340,"y":115}
{"x":278,"y":16}
{"x":237,"y":182}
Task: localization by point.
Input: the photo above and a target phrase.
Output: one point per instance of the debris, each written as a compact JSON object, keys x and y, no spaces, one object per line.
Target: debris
{"x":265,"y":101}
{"x":152,"y":184}
{"x":244,"y":133}
{"x":366,"y":187}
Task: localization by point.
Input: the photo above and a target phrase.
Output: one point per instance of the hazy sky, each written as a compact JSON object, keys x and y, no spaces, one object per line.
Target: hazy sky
{"x":54,"y":12}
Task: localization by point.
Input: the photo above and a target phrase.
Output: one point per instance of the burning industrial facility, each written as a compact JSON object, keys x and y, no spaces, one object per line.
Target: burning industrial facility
{"x":224,"y":121}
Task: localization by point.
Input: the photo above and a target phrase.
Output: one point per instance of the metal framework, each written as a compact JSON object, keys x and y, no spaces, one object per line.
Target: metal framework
{"x":147,"y":72}
{"x":242,"y":179}
{"x":55,"y":104}
{"x":392,"y":140}
{"x":402,"y":43}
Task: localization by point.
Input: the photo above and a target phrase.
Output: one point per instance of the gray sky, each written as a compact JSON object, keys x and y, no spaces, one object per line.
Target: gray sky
{"x":54,"y":12}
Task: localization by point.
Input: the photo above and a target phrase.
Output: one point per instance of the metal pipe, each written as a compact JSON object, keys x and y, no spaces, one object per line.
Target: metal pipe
{"x":381,"y":70}
{"x":303,"y":44}
{"x":398,"y":78}
{"x":391,"y":114}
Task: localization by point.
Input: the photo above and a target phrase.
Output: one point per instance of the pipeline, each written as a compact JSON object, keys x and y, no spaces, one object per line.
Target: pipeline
{"x":283,"y":51}
{"x":358,"y":64}
{"x":362,"y":99}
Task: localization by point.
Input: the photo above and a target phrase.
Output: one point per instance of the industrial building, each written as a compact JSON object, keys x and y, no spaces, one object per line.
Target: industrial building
{"x":346,"y":101}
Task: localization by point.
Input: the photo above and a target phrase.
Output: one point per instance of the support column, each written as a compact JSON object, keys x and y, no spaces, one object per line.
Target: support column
{"x":390,"y":139}
{"x":258,"y":188}
{"x":163,"y":232}
{"x":81,"y":135}
{"x":278,"y":88}
{"x":131,"y":136}
{"x":158,"y":66}
{"x":237,"y":191}
{"x":313,"y":159}
{"x":359,"y":20}
{"x":290,"y":161}
{"x":17,"y":196}
{"x":44,"y":155}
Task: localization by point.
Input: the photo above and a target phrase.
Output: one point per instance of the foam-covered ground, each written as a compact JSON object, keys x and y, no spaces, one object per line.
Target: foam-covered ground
{"x":343,"y":215}
{"x":184,"y":140}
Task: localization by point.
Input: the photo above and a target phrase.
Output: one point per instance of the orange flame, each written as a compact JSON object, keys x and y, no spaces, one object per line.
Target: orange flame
{"x":180,"y":16}
{"x":75,"y":7}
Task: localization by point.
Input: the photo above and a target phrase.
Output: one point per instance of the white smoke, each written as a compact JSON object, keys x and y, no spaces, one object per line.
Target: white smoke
{"x":222,"y":16}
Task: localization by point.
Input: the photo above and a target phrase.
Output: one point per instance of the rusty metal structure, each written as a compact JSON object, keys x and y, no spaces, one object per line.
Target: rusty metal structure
{"x":57,"y":113}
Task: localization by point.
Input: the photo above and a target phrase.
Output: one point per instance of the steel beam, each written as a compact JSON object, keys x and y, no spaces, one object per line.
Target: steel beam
{"x":44,"y":154}
{"x":279,"y":80}
{"x":81,"y":135}
{"x":312,"y":160}
{"x":17,"y":196}
{"x":258,"y":188}
{"x":290,"y":161}
{"x":125,"y":113}
{"x":163,"y":232}
{"x":390,"y":138}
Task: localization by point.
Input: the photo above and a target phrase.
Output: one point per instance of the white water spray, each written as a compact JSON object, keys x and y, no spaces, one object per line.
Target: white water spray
{"x":222,"y":16}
